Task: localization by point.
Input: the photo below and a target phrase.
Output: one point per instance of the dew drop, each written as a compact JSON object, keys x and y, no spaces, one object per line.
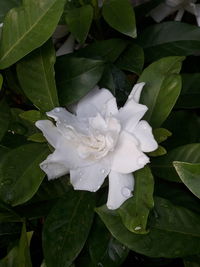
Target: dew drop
{"x":137,"y":228}
{"x":57,"y":110}
{"x":142,"y":160}
{"x":126,"y":192}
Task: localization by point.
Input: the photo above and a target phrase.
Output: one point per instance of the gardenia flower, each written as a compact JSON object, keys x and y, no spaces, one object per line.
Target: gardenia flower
{"x":180,"y":6}
{"x":99,"y":140}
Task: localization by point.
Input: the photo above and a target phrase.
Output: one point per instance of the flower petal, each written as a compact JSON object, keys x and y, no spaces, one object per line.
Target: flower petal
{"x":120,"y":189}
{"x":136,"y":91}
{"x":97,"y":101}
{"x":89,"y":178}
{"x":127,"y":157}
{"x":162,"y":11}
{"x":50,"y":131}
{"x":143,"y":133}
{"x":67,"y":47}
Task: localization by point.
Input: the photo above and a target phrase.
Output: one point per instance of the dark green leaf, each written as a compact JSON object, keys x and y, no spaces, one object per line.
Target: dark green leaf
{"x":79,"y":21}
{"x":120,"y":16}
{"x":20,"y":174}
{"x":31,"y":115}
{"x":7,"y":214}
{"x":190,"y":175}
{"x":174,"y":231}
{"x":135,"y":211}
{"x":4,"y":118}
{"x":67,"y":227}
{"x":6,"y":5}
{"x":161,"y":134}
{"x":170,"y":39}
{"x":36,"y":76}
{"x":163,"y":85}
{"x":163,"y":166}
{"x":28,"y":27}
{"x":76,"y":77}
{"x":132,"y":59}
{"x":160,"y":151}
{"x":37,"y":137}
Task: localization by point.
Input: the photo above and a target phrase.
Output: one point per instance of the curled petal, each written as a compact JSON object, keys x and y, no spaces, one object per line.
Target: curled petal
{"x":162,"y":11}
{"x":127,"y":157}
{"x":89,"y":178}
{"x":50,"y":131}
{"x":136,"y":91}
{"x":143,"y":132}
{"x":120,"y":189}
{"x":67,"y":47}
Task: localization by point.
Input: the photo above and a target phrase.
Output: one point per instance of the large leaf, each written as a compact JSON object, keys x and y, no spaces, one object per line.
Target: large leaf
{"x":79,"y":21}
{"x":104,"y":249}
{"x":174,"y":232}
{"x":7,"y":214}
{"x":4,"y":118}
{"x":163,"y":85}
{"x":163,"y":166}
{"x":67,"y":226}
{"x":76,"y":77}
{"x":20,"y":174}
{"x":170,"y":39}
{"x":135,"y":211}
{"x":28,"y":27}
{"x":36,"y":76}
{"x":120,"y":16}
{"x":6,"y":5}
{"x":190,"y":175}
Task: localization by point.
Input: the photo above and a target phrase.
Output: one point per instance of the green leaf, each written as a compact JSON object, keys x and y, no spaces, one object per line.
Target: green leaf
{"x":132,"y":59}
{"x":169,"y":39}
{"x":160,"y":151}
{"x":4,"y":118}
{"x":20,"y":174}
{"x":36,"y":77}
{"x":108,"y":50}
{"x":163,"y":166}
{"x":6,"y":5}
{"x":103,"y":248}
{"x":120,"y":16}
{"x":1,"y":81}
{"x":79,"y":21}
{"x":7,"y":214}
{"x":31,"y":115}
{"x":67,"y":226}
{"x":11,"y":258}
{"x":174,"y":232}
{"x":135,"y":211}
{"x":161,"y":134}
{"x":190,"y":175}
{"x":37,"y":137}
{"x":190,"y":93}
{"x":28,"y":27}
{"x":76,"y":77}
{"x":163,"y":85}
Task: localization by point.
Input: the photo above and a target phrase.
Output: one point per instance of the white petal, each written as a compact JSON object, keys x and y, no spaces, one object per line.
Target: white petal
{"x":162,"y":11}
{"x":67,"y":47}
{"x":130,"y":114}
{"x":136,"y":91}
{"x":49,"y":131}
{"x":143,"y":133}
{"x":179,"y":14}
{"x":89,"y":178}
{"x":53,"y":169}
{"x":120,"y":189}
{"x":61,"y":31}
{"x":127,"y":157}
{"x":97,"y":101}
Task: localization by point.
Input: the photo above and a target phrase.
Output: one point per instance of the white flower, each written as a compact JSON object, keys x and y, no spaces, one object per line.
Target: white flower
{"x":99,"y":140}
{"x":180,"y":6}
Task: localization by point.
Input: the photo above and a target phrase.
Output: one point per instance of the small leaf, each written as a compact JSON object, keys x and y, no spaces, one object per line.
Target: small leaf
{"x":190,"y":175}
{"x":36,"y":76}
{"x":20,"y":174}
{"x":161,"y":134}
{"x":120,"y":16}
{"x":79,"y":21}
{"x":67,"y":226}
{"x":160,"y":151}
{"x":28,"y":27}
{"x":31,"y":116}
{"x":76,"y":77}
{"x":135,"y":211}
{"x":37,"y":137}
{"x":163,"y":86}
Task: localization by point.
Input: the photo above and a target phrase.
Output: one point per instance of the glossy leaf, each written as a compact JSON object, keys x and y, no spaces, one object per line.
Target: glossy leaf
{"x":163,"y":166}
{"x":7,"y":214}
{"x":160,"y":151}
{"x":76,"y":77}
{"x":36,"y":76}
{"x":79,"y":21}
{"x":163,"y":85}
{"x":169,"y":39}
{"x":103,"y":248}
{"x":28,"y":27}
{"x":120,"y":16}
{"x":31,"y":115}
{"x":20,"y":174}
{"x":161,"y":134}
{"x":67,"y":226}
{"x":1,"y":81}
{"x":37,"y":137}
{"x":6,"y":5}
{"x":4,"y":117}
{"x":132,"y":59}
{"x":190,"y":175}
{"x":174,"y":231}
{"x":135,"y":211}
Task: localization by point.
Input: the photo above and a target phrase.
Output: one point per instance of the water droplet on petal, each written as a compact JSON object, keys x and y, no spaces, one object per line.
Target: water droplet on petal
{"x":137,"y":228}
{"x":103,"y":171}
{"x":57,"y":110}
{"x":142,"y":160}
{"x":126,"y":192}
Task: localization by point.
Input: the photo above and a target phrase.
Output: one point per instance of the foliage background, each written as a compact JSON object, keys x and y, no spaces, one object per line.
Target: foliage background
{"x":49,"y":224}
